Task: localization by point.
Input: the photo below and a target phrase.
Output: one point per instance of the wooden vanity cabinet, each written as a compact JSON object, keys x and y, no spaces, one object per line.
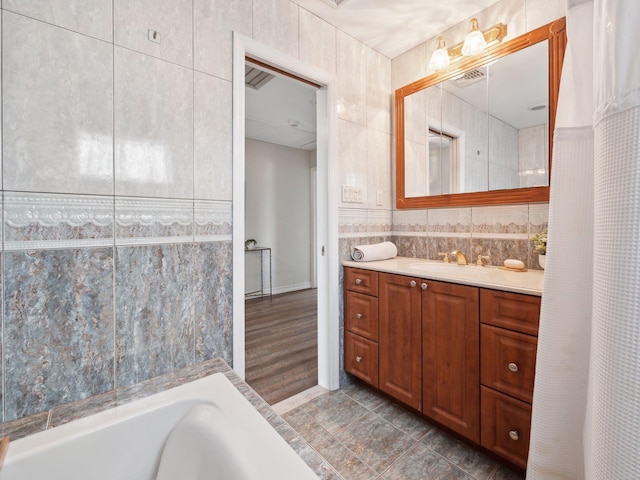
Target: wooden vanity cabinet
{"x":400,"y":371}
{"x":451,"y":357}
{"x":361,"y":324}
{"x":508,"y":342}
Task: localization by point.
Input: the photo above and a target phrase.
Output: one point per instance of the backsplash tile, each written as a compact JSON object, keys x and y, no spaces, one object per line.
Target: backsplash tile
{"x":58,"y":327}
{"x":154,"y":127}
{"x":46,"y":221}
{"x":57,"y":89}
{"x":172,"y":19}
{"x":447,"y":221}
{"x":410,"y":221}
{"x":352,"y":222}
{"x":153,"y":220}
{"x":500,"y":219}
{"x":154,"y":311}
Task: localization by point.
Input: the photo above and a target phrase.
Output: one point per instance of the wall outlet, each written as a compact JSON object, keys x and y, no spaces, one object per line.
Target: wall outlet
{"x":154,"y":36}
{"x":379,"y":197}
{"x":352,"y":194}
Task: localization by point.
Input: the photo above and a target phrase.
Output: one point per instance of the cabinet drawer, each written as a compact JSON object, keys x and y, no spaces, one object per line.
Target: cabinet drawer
{"x":508,"y":361}
{"x":362,"y":315}
{"x":510,"y":310}
{"x":361,"y":281}
{"x":361,"y":358}
{"x":506,"y":425}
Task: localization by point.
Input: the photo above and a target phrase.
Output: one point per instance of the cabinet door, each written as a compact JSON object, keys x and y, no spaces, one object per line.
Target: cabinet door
{"x":451,"y":359}
{"x":399,"y":338}
{"x":361,"y":358}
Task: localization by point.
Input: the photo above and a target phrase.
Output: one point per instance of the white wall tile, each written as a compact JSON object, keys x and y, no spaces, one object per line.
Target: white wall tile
{"x":541,"y":12}
{"x":90,"y":17}
{"x":379,"y":94}
{"x":378,"y":168}
{"x":212,"y":138}
{"x":317,"y":42}
{"x":172,"y":19}
{"x":352,"y":79}
{"x":352,"y":157}
{"x":57,"y":109}
{"x":154,"y":127}
{"x":275,"y":23}
{"x":410,"y":66}
{"x":214,"y":22}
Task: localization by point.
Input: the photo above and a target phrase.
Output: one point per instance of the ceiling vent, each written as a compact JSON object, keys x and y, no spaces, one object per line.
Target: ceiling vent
{"x":255,"y":78}
{"x":470,"y":77}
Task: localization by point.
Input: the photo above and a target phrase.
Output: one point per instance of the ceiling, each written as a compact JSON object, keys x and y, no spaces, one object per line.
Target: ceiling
{"x":283,"y":111}
{"x":394,"y":26}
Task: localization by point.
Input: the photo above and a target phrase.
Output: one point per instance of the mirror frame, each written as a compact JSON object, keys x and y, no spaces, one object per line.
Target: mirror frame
{"x":555,"y":33}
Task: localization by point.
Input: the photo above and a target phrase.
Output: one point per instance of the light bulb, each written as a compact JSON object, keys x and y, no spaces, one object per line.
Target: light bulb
{"x":440,"y":57}
{"x":475,"y":42}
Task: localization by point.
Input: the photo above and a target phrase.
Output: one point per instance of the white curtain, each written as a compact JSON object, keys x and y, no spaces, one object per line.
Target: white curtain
{"x":586,"y":406}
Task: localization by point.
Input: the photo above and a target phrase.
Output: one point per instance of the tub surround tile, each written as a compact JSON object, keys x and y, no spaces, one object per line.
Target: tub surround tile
{"x":154,"y":311}
{"x":376,"y":441}
{"x":275,"y":23}
{"x":214,"y":22}
{"x":90,"y":17}
{"x":45,"y":221}
{"x":213,"y":220}
{"x":153,"y":220}
{"x":317,"y":41}
{"x":57,"y":109}
{"x":58,"y":327}
{"x":23,"y":427}
{"x":213,"y":316}
{"x":172,"y":19}
{"x":212,"y":137}
{"x":153,"y":127}
{"x":82,"y":408}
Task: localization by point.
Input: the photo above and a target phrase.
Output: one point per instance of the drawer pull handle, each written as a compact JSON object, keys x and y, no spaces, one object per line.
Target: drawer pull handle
{"x":358,"y":359}
{"x":413,"y":283}
{"x":358,"y":315}
{"x":513,"y":434}
{"x":513,"y":367}
{"x":423,"y":286}
{"x":358,"y":281}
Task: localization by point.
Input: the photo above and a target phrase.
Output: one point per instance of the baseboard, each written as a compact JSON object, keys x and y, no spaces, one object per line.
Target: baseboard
{"x":290,"y":288}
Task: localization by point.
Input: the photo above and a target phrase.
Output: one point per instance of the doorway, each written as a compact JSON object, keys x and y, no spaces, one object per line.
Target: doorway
{"x":326,"y":237}
{"x":281,"y":298}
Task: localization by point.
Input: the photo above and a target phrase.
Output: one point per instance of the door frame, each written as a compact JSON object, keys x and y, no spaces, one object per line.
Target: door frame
{"x":327,"y":211}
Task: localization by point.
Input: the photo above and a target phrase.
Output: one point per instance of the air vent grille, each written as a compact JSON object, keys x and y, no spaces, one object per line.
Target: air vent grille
{"x":255,"y":78}
{"x":472,"y":76}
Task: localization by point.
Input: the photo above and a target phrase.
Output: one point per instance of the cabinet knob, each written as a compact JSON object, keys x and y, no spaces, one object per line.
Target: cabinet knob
{"x":358,"y":281}
{"x":359,"y":359}
{"x":513,"y":434}
{"x":513,"y":367}
{"x":423,"y":286}
{"x":358,"y":315}
{"x":413,"y":283}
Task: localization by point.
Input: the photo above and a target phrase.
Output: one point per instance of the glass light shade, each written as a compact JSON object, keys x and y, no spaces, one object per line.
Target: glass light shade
{"x":475,"y":42}
{"x":440,"y":57}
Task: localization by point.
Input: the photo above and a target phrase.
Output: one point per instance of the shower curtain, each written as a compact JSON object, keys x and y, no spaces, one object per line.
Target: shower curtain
{"x":586,"y":405}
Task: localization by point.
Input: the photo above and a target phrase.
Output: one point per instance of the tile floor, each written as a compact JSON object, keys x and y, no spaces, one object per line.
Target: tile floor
{"x":367,"y":437}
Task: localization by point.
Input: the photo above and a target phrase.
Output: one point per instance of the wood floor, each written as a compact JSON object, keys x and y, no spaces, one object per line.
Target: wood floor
{"x":281,"y":344}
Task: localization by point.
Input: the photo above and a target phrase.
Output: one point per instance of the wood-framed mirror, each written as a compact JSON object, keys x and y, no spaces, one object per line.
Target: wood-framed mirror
{"x":480,"y":131}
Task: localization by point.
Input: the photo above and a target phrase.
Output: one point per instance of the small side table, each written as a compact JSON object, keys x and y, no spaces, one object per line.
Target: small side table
{"x":261,"y":251}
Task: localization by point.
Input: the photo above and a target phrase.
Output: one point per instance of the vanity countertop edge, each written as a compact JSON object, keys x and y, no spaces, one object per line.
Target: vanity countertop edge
{"x":528,"y":283}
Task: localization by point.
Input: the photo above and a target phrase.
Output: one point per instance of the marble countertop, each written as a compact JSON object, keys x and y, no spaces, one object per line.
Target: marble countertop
{"x":529,"y":282}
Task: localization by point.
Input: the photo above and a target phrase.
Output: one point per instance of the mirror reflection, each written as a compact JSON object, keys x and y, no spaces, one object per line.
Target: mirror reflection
{"x":481,"y":128}
{"x":485,"y":129}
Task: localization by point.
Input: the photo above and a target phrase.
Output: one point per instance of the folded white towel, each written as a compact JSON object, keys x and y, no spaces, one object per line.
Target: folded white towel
{"x":377,"y":251}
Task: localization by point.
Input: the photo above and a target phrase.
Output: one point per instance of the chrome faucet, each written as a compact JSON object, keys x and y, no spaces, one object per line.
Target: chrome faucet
{"x":460,"y":257}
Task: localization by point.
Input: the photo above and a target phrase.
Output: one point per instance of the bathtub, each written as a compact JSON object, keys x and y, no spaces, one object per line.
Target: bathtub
{"x":204,"y":429}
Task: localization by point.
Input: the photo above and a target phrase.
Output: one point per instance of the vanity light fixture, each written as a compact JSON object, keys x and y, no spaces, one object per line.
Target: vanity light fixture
{"x":440,"y":57}
{"x":475,"y":42}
